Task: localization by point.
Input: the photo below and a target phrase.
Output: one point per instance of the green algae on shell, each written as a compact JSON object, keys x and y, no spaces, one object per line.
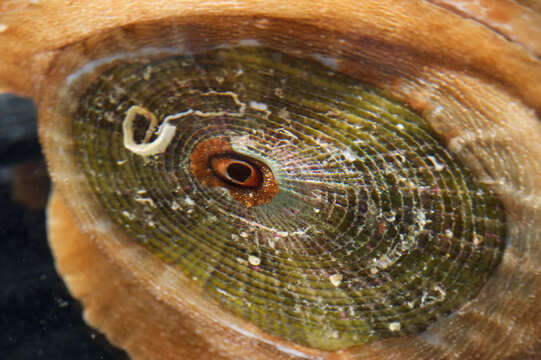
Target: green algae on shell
{"x":376,"y":229}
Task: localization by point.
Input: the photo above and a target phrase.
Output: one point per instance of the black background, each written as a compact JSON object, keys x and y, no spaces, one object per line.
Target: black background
{"x":38,"y":317}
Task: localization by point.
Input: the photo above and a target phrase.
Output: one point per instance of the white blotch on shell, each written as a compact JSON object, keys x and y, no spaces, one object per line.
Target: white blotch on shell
{"x":254,"y":260}
{"x":437,"y":165}
{"x":395,"y":326}
{"x":165,"y":132}
{"x":336,"y":279}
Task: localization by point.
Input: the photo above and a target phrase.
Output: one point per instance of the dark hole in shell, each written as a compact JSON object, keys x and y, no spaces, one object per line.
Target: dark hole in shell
{"x":236,"y":171}
{"x":239,"y":172}
{"x":248,"y":180}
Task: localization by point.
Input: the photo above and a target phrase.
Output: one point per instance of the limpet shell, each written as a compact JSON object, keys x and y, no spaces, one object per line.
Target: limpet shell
{"x":345,"y":276}
{"x":475,"y":94}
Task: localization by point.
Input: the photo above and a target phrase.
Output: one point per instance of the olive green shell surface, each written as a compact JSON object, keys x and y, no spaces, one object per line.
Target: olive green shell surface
{"x":376,"y":231}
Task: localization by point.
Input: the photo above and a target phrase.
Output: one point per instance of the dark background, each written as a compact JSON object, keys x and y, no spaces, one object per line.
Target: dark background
{"x":38,"y":317}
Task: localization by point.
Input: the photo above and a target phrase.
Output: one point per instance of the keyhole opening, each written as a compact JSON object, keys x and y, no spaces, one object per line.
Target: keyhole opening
{"x":239,"y":172}
{"x":249,"y":181}
{"x":236,"y":171}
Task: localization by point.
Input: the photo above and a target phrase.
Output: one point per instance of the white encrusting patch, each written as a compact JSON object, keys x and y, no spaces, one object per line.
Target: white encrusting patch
{"x":144,"y":201}
{"x":437,"y":165}
{"x":260,"y":107}
{"x":128,"y":215}
{"x":3,"y":27}
{"x":349,"y":155}
{"x":435,"y":295}
{"x":254,"y":260}
{"x":175,"y":206}
{"x":437,"y":111}
{"x":240,"y":112}
{"x":165,"y":133}
{"x":336,"y":279}
{"x":189,"y":201}
{"x":395,"y":326}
